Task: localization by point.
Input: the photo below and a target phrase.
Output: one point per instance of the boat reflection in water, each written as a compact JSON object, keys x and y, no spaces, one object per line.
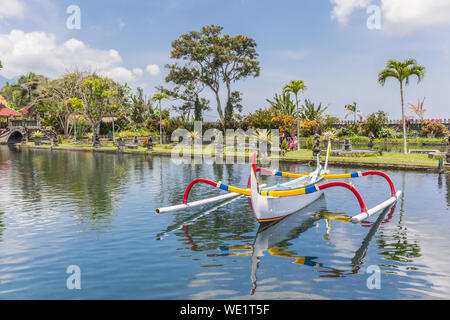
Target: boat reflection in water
{"x":273,"y":239}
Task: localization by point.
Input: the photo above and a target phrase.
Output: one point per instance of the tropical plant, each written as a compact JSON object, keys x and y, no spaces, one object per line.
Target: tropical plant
{"x":263,"y":135}
{"x":433,"y":129}
{"x":418,"y":109}
{"x":159,"y":97}
{"x":37,"y":134}
{"x":295,"y":86}
{"x":402,"y":71}
{"x":353,"y":110}
{"x":310,"y":112}
{"x":282,"y":103}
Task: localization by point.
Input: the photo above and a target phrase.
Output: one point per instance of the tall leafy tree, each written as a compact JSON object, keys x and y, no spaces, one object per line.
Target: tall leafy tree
{"x":58,"y":96}
{"x":295,"y":86}
{"x":213,"y":59}
{"x":189,"y":94}
{"x":233,"y":106}
{"x":96,"y":93}
{"x":402,"y":71}
{"x":140,"y":107}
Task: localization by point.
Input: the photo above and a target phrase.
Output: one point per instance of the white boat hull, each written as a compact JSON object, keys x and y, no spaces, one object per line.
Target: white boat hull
{"x":273,"y":208}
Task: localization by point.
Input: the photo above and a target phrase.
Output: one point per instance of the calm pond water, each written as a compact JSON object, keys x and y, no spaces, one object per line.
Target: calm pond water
{"x":96,"y":211}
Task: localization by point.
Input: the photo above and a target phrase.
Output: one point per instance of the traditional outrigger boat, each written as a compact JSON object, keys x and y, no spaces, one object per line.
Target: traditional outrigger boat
{"x":276,"y":202}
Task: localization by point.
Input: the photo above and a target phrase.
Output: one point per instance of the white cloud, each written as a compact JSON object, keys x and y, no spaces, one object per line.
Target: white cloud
{"x":138,"y":71}
{"x":414,"y":14}
{"x":343,"y":8}
{"x":398,"y":15}
{"x":41,"y":53}
{"x":11,"y":9}
{"x":153,"y":69}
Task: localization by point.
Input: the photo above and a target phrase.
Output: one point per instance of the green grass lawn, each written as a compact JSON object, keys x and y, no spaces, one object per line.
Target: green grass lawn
{"x":386,"y":157}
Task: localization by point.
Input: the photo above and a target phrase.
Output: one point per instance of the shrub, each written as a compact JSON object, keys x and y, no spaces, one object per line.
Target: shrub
{"x":37,"y":135}
{"x":284,"y":123}
{"x":309,"y":128}
{"x":388,"y":132}
{"x":433,"y":129}
{"x":376,"y":121}
{"x":260,"y":119}
{"x":344,"y":132}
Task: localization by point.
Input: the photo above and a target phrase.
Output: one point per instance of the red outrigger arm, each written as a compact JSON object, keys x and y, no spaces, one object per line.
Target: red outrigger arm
{"x":349,"y":187}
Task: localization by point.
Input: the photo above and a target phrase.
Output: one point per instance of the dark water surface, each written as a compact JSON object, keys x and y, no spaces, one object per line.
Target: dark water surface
{"x":96,"y":211}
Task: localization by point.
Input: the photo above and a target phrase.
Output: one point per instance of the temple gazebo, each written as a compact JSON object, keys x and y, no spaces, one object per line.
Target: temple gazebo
{"x":14,"y":127}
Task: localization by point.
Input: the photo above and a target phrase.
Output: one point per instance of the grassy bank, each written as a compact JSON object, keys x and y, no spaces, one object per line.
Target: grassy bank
{"x":390,"y":159}
{"x":399,"y":141}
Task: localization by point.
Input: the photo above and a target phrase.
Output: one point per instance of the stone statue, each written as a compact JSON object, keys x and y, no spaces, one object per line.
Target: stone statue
{"x":149,"y":143}
{"x":447,"y":155}
{"x":371,"y":137}
{"x":347,"y":145}
{"x":316,"y":145}
{"x":96,"y":140}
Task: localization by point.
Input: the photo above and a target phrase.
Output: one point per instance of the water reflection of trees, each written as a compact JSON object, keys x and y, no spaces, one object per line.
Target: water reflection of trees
{"x":90,"y":183}
{"x":447,"y":182}
{"x":397,"y":246}
{"x":2,"y":226}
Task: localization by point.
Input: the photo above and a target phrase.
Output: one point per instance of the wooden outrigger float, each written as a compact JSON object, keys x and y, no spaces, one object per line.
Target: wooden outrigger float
{"x":276,"y":202}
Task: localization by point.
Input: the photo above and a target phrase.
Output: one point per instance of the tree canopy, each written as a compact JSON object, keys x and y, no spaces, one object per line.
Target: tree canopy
{"x":213,"y":59}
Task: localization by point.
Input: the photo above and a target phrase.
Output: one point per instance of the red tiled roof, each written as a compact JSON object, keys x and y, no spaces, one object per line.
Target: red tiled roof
{"x":6,"y":112}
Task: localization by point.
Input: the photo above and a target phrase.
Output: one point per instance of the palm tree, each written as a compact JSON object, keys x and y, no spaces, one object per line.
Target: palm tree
{"x":352,"y":108}
{"x":159,"y":97}
{"x":402,"y":71}
{"x":295,"y":86}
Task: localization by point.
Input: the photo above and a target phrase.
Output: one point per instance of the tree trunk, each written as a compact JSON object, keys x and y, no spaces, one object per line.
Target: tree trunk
{"x":114,"y":140}
{"x":219,"y":109}
{"x":298,"y":124}
{"x":405,"y":147}
{"x":160,"y":124}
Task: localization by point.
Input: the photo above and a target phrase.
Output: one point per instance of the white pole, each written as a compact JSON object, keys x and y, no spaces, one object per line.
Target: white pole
{"x":364,"y":215}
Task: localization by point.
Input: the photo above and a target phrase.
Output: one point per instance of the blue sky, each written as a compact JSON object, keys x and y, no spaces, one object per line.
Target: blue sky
{"x":326,"y":43}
